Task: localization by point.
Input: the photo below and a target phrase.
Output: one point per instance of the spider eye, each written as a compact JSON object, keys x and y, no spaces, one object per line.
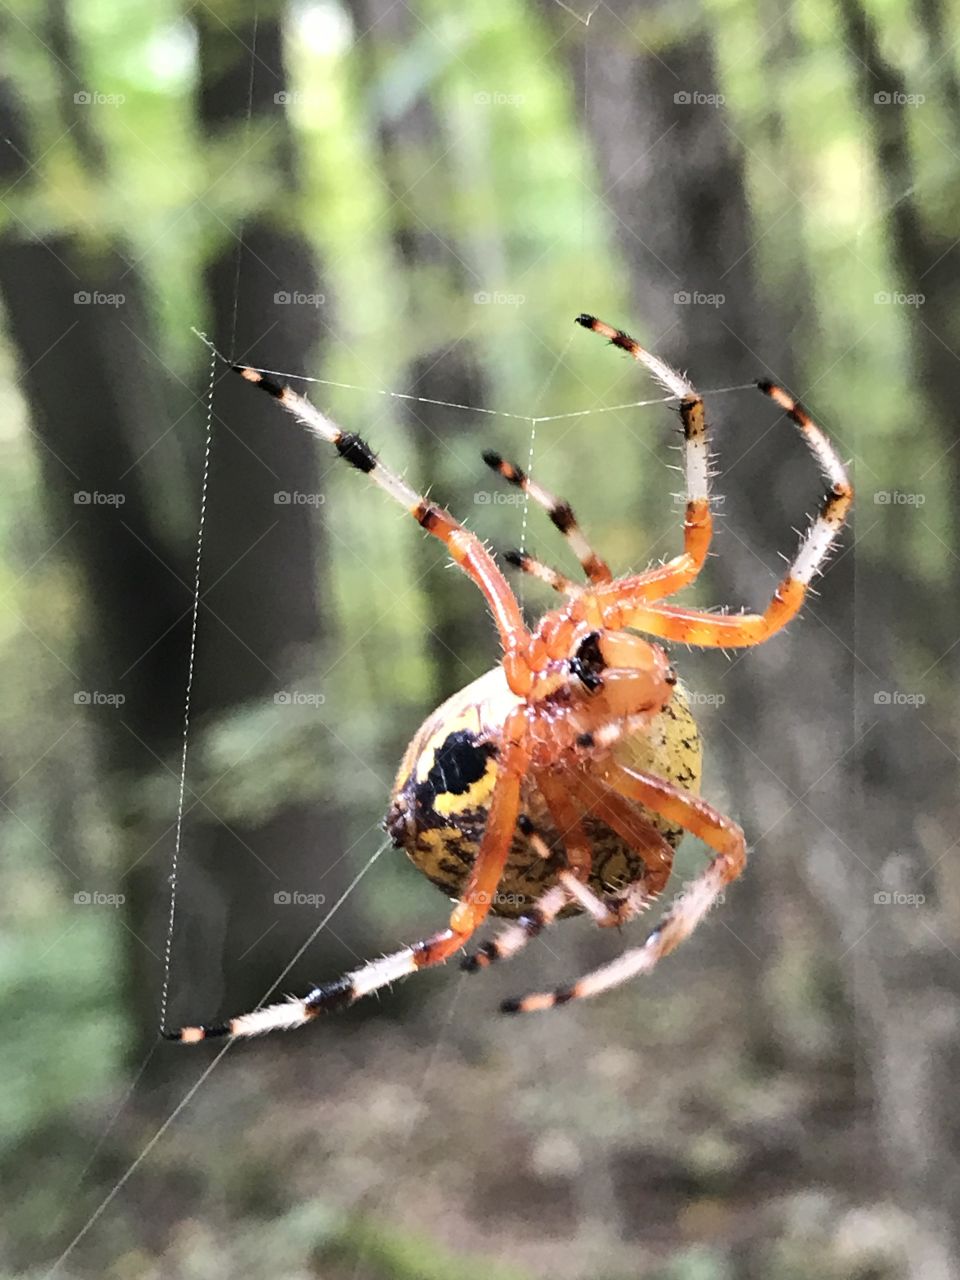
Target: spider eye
{"x":587,"y":663}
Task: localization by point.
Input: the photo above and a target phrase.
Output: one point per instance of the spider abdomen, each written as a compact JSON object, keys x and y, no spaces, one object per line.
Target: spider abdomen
{"x":440,"y":799}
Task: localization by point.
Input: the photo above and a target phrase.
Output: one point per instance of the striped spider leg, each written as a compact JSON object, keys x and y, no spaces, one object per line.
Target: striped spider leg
{"x":664,"y":579}
{"x":619,"y":605}
{"x":730,"y":855}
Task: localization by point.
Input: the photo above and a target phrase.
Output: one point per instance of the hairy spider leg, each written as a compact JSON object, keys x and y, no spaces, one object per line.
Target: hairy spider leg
{"x":579,"y":854}
{"x":560,"y":512}
{"x":554,"y":579}
{"x":623,"y":817}
{"x":679,"y":572}
{"x":566,"y":819}
{"x":618,"y":605}
{"x":694,"y":815}
{"x":465,"y":547}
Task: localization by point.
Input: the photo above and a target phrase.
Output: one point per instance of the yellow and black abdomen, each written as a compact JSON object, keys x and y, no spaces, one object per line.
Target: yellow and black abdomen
{"x":441,"y":796}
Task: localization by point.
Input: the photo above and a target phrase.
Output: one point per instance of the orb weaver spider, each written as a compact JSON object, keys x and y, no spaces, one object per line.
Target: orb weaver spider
{"x":562,"y":781}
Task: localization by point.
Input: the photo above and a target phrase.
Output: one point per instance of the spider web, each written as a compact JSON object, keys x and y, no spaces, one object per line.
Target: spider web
{"x":533,"y":419}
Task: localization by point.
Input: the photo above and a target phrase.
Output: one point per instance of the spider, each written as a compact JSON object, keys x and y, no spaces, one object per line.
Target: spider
{"x":563,"y":780}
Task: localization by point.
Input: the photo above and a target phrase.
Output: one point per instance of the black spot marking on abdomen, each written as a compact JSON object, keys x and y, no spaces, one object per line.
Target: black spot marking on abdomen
{"x":458,"y":764}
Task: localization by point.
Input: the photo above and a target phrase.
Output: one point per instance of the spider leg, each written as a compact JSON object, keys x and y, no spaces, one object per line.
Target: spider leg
{"x":576,"y":843}
{"x":616,"y":607}
{"x":617,"y":909}
{"x":465,"y":547}
{"x":518,"y":933}
{"x":696,"y":816}
{"x":545,"y":572}
{"x":560,"y":513}
{"x":667,"y":578}
{"x":566,"y":819}
{"x":467,"y":916}
{"x":567,"y":800}
{"x":631,"y":826}
{"x":570,"y":886}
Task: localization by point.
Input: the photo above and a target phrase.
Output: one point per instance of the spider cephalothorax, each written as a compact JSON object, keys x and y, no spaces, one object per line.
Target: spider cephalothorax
{"x":562,"y":780}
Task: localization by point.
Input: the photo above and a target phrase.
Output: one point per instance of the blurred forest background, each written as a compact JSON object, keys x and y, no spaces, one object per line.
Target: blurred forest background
{"x":412,"y":201}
